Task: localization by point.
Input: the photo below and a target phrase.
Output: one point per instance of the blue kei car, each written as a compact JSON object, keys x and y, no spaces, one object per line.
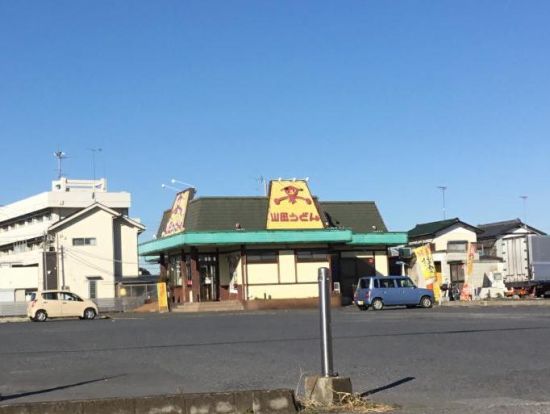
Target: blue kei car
{"x":380,"y":291}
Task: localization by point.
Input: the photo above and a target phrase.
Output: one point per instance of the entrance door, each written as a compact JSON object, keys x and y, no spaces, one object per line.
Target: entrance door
{"x":351,"y":269}
{"x":210,"y":284}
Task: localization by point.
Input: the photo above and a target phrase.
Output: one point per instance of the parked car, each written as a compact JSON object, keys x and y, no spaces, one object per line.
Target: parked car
{"x":59,"y":304}
{"x":380,"y":291}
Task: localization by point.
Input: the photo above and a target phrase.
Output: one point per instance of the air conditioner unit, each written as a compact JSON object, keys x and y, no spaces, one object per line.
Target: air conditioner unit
{"x":405,"y":252}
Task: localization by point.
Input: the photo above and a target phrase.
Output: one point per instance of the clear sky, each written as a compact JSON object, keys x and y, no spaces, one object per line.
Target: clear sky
{"x":373,"y":100}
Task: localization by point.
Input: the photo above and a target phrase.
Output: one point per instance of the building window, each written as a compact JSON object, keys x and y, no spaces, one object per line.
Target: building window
{"x":84,"y":241}
{"x":457,"y":247}
{"x":311,"y":256}
{"x":92,"y":289}
{"x":266,"y":256}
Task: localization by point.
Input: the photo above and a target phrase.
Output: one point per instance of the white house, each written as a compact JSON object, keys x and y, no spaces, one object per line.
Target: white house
{"x":77,"y":236}
{"x":449,"y":240}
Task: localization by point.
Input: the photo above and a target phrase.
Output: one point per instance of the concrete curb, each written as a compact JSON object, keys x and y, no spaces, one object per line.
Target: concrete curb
{"x":497,"y":302}
{"x":235,"y":402}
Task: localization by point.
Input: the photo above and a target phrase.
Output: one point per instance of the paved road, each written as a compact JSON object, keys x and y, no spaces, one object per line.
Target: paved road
{"x":453,"y":360}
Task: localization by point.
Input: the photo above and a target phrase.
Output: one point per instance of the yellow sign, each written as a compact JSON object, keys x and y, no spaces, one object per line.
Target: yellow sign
{"x":425,"y":261}
{"x":162,"y":297}
{"x":176,"y":221}
{"x":291,"y":206}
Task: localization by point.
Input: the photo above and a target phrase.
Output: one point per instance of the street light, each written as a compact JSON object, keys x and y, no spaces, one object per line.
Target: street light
{"x":443,"y":188}
{"x":169,"y":187}
{"x":174,"y":181}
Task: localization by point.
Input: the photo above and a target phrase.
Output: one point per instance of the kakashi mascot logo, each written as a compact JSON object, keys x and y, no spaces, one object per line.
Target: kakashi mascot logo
{"x":295,"y":209}
{"x":291,"y":195}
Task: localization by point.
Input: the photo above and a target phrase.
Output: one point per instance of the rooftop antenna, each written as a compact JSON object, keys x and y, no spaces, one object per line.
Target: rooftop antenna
{"x":60,"y":155}
{"x":443,"y":188}
{"x":94,"y":150}
{"x":263,"y":182}
{"x":524,"y":198}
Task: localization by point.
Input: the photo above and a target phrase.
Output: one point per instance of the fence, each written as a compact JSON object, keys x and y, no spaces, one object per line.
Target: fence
{"x":124,"y":304}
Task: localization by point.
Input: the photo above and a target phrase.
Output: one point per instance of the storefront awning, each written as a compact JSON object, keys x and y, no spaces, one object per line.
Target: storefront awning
{"x":237,"y":237}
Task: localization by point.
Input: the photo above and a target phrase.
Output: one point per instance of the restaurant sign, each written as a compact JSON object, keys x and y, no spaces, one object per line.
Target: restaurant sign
{"x":291,"y":206}
{"x":176,"y":220}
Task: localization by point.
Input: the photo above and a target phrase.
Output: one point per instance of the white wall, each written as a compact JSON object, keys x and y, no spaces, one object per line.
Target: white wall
{"x":454,"y":233}
{"x":81,"y":262}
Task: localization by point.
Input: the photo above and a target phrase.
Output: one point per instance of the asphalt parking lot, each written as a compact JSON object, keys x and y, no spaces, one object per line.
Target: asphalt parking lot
{"x":439,"y":360}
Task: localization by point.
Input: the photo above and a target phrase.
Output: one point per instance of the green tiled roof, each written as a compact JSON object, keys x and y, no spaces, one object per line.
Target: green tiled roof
{"x":223,"y":213}
{"x":430,"y":229}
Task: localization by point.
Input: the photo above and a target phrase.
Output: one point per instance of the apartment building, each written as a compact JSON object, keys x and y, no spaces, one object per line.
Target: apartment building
{"x":76,"y":236}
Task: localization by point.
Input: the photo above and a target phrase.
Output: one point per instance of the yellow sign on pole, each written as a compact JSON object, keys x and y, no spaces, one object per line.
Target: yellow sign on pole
{"x":291,"y":206}
{"x":470,"y":260}
{"x":425,"y":261}
{"x":162,"y":297}
{"x":427,"y":269}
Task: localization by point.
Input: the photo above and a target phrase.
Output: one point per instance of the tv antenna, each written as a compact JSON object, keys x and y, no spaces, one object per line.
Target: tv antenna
{"x":60,"y":155}
{"x":263,"y":183}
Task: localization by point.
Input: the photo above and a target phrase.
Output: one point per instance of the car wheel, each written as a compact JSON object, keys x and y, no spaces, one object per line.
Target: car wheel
{"x":377,"y":304}
{"x":426,"y":302}
{"x":40,"y":316}
{"x":89,"y":314}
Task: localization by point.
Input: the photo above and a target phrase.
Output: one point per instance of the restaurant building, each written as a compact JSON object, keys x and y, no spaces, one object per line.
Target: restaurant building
{"x":268,"y":248}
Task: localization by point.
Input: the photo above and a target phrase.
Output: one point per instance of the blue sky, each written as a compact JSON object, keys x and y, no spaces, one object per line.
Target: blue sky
{"x":373,"y":100}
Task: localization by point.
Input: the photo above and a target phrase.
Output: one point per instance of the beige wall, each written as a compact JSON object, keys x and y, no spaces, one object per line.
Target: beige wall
{"x":307,"y":271}
{"x":83,"y":261}
{"x":283,"y":291}
{"x":456,"y":233}
{"x":287,"y":266}
{"x":381,"y":263}
{"x":278,"y":281}
{"x":129,"y":244}
{"x":262,"y":273}
{"x":20,"y":277}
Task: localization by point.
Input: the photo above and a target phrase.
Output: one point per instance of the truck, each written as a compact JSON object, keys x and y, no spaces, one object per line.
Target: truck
{"x":527,"y":269}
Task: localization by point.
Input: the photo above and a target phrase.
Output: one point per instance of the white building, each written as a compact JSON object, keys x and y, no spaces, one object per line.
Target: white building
{"x":508,"y":240}
{"x":77,"y":236}
{"x":449,"y":241}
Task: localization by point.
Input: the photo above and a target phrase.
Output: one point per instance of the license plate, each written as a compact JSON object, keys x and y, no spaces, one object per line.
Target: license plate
{"x":360,"y":302}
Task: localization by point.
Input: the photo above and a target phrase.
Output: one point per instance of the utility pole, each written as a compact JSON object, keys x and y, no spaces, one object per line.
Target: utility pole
{"x":443,"y":188}
{"x":62,"y":268}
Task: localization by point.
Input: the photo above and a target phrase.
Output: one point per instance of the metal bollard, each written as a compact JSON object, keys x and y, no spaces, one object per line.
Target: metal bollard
{"x":326,"y":332}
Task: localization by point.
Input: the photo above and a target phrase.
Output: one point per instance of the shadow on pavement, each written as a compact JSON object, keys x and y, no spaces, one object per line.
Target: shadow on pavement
{"x":60,"y":387}
{"x":387,"y":387}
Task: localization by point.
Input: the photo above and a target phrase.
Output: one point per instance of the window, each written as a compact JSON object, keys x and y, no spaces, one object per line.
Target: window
{"x":457,"y":246}
{"x":84,"y":241}
{"x":92,"y":289}
{"x":49,"y":296}
{"x":364,"y":283}
{"x":266,"y":256}
{"x":311,"y":256}
{"x":69,"y":296}
{"x":404,"y":283}
{"x":385,"y":283}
